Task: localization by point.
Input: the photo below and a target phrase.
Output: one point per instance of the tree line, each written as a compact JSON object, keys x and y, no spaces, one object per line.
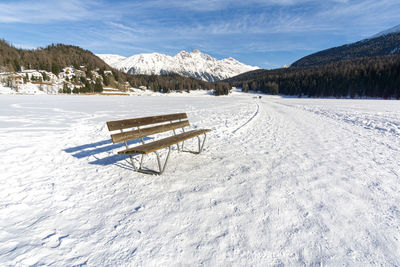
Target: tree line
{"x":361,"y":77}
{"x":174,"y":82}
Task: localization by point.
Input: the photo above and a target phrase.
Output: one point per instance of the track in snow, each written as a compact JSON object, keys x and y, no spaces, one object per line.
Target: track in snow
{"x":248,"y":121}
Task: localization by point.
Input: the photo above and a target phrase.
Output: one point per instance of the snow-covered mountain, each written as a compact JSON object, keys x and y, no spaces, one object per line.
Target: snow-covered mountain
{"x":395,"y":29}
{"x":191,"y":64}
{"x":111,"y":59}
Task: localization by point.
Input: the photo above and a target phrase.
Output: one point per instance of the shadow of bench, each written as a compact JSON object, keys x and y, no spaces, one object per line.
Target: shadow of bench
{"x":97,"y":148}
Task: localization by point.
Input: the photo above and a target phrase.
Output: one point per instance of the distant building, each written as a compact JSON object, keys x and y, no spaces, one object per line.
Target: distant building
{"x":3,"y":69}
{"x":68,"y":70}
{"x":79,"y":73}
{"x":14,"y":80}
{"x":96,"y":75}
{"x":32,"y":74}
{"x":70,"y":73}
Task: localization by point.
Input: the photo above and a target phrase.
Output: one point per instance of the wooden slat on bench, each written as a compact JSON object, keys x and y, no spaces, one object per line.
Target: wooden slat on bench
{"x":125,"y":136}
{"x":123,"y":124}
{"x":162,"y":143}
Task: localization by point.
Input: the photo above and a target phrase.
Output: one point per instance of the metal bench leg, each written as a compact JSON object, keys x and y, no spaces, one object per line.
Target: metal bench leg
{"x":165,"y":162}
{"x":141,"y":161}
{"x":183,"y":142}
{"x":147,"y":171}
{"x":133,"y":163}
{"x":200,"y":145}
{"x":177,"y":145}
{"x":161,"y":167}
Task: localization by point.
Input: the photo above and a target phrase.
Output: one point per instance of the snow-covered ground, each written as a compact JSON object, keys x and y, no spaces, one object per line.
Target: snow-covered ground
{"x":31,"y":89}
{"x":281,"y":181}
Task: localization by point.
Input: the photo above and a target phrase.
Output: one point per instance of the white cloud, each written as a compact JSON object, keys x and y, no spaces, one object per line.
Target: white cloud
{"x":45,"y":11}
{"x":122,"y":26}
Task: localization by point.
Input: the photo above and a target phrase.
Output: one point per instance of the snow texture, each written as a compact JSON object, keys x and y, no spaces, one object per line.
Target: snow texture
{"x":194,"y":64}
{"x":281,"y":181}
{"x":31,"y":89}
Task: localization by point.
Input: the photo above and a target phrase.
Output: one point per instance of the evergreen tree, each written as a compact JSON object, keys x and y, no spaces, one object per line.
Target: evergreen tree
{"x":245,"y":87}
{"x":98,"y":88}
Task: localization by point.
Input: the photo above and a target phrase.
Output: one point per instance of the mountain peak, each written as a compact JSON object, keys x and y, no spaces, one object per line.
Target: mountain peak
{"x":194,"y":64}
{"x":231,"y":59}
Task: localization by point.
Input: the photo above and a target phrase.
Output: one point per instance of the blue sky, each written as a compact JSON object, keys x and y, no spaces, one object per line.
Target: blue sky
{"x":266,"y":33}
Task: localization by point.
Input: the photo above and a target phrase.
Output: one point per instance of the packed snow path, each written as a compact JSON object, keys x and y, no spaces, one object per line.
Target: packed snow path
{"x":281,"y":181}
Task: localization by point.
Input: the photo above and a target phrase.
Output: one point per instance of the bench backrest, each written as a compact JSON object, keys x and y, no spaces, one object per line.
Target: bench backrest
{"x":164,"y":123}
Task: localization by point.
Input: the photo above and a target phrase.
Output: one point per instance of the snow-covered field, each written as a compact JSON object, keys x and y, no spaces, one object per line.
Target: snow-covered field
{"x":31,"y":89}
{"x":281,"y":181}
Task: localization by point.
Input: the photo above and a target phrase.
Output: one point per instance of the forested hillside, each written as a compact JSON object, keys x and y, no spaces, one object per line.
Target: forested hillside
{"x":364,"y":77}
{"x":52,"y":58}
{"x":383,"y":45}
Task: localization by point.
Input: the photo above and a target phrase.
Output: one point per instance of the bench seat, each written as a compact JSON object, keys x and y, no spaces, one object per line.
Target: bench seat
{"x":139,"y":128}
{"x":163,"y":143}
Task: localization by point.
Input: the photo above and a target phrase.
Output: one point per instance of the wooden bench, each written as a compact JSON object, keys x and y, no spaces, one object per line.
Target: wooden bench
{"x":142,"y":127}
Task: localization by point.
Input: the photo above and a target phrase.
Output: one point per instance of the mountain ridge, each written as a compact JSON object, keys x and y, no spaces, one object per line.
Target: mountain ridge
{"x":193,"y":64}
{"x":395,"y":29}
{"x":387,"y":44}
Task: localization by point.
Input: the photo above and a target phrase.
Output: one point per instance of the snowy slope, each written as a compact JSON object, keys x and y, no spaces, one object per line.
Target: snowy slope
{"x":194,"y":64}
{"x":395,"y":29}
{"x":281,"y":182}
{"x":111,"y":59}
